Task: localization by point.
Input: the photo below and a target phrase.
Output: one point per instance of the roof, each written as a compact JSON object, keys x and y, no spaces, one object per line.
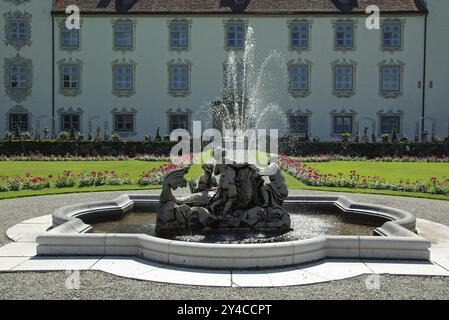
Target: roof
{"x":248,"y":7}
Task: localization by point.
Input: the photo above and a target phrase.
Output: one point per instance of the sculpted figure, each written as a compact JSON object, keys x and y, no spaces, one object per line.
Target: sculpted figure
{"x":276,"y":191}
{"x":206,"y":182}
{"x":242,"y":200}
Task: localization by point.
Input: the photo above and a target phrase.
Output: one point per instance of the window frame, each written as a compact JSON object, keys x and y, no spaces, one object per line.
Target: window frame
{"x":234,"y":23}
{"x":24,"y":81}
{"x":343,"y":117}
{"x":346,"y":22}
{"x":71,"y":121}
{"x":178,"y":47}
{"x":299,"y":91}
{"x":398,"y":120}
{"x":392,"y":21}
{"x":64,"y":31}
{"x":391,"y":94}
{"x":19,"y":114}
{"x":131,"y":32}
{"x":299,"y":46}
{"x":131,"y":116}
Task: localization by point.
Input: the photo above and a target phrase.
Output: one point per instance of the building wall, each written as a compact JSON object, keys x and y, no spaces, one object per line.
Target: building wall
{"x":437,"y":97}
{"x":207,"y":54}
{"x":38,"y":103}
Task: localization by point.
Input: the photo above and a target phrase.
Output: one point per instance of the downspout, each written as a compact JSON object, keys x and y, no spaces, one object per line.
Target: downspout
{"x":53,"y":124}
{"x":423,"y":111}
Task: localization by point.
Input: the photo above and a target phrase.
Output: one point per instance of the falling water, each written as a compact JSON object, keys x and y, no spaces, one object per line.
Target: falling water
{"x":250,"y":93}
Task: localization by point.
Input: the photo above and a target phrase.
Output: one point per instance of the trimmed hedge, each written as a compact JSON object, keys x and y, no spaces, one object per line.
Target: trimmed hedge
{"x":287,"y":147}
{"x":368,"y":150}
{"x":85,"y":148}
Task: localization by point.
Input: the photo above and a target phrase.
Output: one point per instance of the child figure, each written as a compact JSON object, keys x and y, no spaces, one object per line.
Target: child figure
{"x":206,"y":182}
{"x":227,"y":189}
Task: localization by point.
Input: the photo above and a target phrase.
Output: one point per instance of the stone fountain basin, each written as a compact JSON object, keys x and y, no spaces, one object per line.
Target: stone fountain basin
{"x":395,"y":238}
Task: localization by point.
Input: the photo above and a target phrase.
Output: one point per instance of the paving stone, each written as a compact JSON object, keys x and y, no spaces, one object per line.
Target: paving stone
{"x":18,"y":249}
{"x":406,"y":268}
{"x":57,"y":263}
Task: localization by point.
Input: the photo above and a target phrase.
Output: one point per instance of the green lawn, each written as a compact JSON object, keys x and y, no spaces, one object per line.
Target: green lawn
{"x":45,"y":168}
{"x":390,"y":171}
{"x":387,"y":170}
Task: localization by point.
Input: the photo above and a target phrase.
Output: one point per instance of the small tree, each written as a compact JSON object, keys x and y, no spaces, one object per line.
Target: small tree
{"x":105,"y":135}
{"x":373,"y":137}
{"x":365,"y":135}
{"x":17,"y":133}
{"x":89,"y":136}
{"x":46,"y":132}
{"x":158,"y":136}
{"x":72,"y":134}
{"x":385,"y":138}
{"x":394,"y":136}
{"x":98,"y":131}
{"x":37,"y":135}
{"x":425,"y":135}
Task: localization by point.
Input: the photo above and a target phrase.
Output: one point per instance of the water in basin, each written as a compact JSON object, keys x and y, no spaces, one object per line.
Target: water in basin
{"x":305,"y":225}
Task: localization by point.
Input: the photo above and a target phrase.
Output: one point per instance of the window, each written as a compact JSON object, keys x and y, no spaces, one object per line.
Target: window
{"x":344,"y":35}
{"x":69,"y":38}
{"x":179,"y":35}
{"x":391,"y":78}
{"x":123,"y":78}
{"x":299,"y":124}
{"x":392,"y":35}
{"x":179,"y":78}
{"x":343,"y":78}
{"x":70,"y":121}
{"x":18,"y":120}
{"x":343,"y":124}
{"x":299,"y":78}
{"x":18,"y":76}
{"x":18,"y":30}
{"x":235,"y":35}
{"x":70,"y":77}
{"x":124,"y":35}
{"x":299,"y":35}
{"x":124,"y":122}
{"x":388,"y":124}
{"x":179,"y":121}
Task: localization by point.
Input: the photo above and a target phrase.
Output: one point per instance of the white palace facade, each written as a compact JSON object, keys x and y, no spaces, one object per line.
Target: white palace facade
{"x":135,"y":65}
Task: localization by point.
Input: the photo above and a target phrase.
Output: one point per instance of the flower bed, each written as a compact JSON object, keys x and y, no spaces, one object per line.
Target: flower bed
{"x":66,"y":157}
{"x":311,"y":177}
{"x":68,"y":179}
{"x":155,"y":176}
{"x":23,"y":183}
{"x":332,"y":157}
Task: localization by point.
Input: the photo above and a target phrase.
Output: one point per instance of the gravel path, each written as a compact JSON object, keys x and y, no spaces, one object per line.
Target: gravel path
{"x":99,"y":285}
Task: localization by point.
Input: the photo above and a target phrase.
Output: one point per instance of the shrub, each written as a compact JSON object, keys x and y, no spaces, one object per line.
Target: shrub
{"x":63,"y":136}
{"x":115,"y":137}
{"x":345,"y":137}
{"x":66,"y":180}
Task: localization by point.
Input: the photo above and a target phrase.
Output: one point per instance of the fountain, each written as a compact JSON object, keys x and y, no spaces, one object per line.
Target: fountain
{"x":242,"y":200}
{"x":246,"y":202}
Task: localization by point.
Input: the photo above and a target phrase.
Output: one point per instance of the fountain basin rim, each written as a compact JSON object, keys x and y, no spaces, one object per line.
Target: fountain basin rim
{"x":396,"y":241}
